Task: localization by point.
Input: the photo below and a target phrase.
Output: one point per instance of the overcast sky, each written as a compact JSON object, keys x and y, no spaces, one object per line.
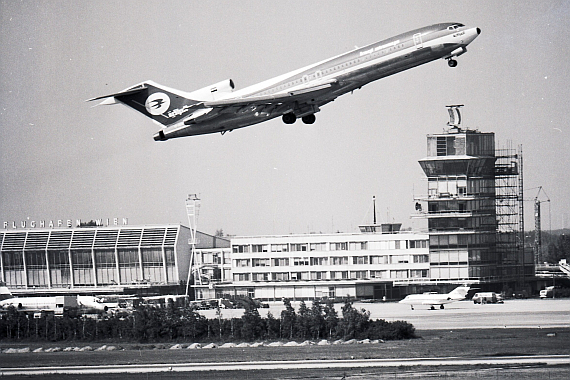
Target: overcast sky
{"x":62,"y":159}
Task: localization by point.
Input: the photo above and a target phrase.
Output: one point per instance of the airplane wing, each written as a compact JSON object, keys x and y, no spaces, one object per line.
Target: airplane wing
{"x":300,"y":94}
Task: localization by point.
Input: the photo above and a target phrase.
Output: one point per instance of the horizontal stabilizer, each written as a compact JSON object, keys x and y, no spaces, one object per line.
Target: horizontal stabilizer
{"x":122,"y":93}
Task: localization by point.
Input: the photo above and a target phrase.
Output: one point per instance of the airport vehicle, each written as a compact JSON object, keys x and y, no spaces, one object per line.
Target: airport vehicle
{"x":436,"y":299}
{"x":299,"y":94}
{"x":57,"y":305}
{"x":548,"y":292}
{"x":487,"y":297}
{"x":94,"y":305}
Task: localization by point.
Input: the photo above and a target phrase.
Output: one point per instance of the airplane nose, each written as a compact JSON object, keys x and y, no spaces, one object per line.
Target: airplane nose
{"x":478,"y":31}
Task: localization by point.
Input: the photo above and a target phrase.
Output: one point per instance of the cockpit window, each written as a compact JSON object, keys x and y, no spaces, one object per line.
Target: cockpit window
{"x":454,"y":27}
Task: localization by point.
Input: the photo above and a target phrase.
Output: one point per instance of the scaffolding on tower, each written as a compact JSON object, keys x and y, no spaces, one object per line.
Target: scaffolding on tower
{"x":509,"y":211}
{"x":192,"y":210}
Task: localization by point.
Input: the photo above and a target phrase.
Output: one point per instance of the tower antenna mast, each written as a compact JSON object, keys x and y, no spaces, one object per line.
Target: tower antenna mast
{"x":192,"y":210}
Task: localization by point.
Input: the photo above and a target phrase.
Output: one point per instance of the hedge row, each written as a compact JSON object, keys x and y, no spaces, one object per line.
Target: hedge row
{"x":147,"y":324}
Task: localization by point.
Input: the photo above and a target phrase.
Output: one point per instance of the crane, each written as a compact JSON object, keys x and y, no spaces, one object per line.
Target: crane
{"x":537,"y":246}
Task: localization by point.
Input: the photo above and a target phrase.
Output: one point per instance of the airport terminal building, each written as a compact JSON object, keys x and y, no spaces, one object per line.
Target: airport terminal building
{"x":98,"y":259}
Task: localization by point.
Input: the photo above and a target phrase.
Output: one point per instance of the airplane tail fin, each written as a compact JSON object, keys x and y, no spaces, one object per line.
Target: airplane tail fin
{"x":162,"y":104}
{"x":459,"y":293}
{"x":4,"y":292}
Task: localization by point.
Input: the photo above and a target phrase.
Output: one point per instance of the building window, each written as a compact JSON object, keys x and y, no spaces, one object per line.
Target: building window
{"x":339,"y":275}
{"x":404,"y":259}
{"x":378,"y":274}
{"x":280,"y":262}
{"x":339,"y":246}
{"x":358,"y":275}
{"x":153,"y":266}
{"x":260,"y":262}
{"x":378,"y":259}
{"x":240,"y":263}
{"x":36,"y":267}
{"x":319,"y":261}
{"x":342,"y":260}
{"x":260,"y":276}
{"x":418,"y":273}
{"x":13,"y":268}
{"x":358,"y":246}
{"x":399,"y":274}
{"x":241,"y":249}
{"x":357,"y":260}
{"x":318,"y":275}
{"x":300,"y":261}
{"x":241,"y":277}
{"x":129,"y":265}
{"x":171,"y":272}
{"x":106,"y":267}
{"x":300,"y":276}
{"x":318,"y":246}
{"x":82,"y":267}
{"x":299,"y":247}
{"x":280,"y":276}
{"x":279,"y":248}
{"x":260,"y":248}
{"x":421,"y":258}
{"x":418,"y":244}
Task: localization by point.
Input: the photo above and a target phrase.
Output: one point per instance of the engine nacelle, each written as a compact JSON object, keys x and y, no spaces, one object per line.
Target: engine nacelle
{"x":214,"y":91}
{"x":457,"y":52}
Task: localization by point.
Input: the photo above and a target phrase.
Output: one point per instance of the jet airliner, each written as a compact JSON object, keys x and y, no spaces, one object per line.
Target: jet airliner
{"x":299,"y":94}
{"x":436,"y":299}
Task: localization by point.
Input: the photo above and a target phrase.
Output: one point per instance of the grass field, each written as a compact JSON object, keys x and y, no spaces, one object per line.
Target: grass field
{"x":433,"y":343}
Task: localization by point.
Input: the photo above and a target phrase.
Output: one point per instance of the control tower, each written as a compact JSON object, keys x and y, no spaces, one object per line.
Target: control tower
{"x":474,"y":208}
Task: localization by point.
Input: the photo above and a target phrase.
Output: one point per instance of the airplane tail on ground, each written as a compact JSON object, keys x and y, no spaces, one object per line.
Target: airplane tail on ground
{"x":4,"y":292}
{"x":459,"y":293}
{"x":162,"y":104}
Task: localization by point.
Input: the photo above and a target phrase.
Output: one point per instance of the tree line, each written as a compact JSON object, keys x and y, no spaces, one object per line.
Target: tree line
{"x":149,"y":325}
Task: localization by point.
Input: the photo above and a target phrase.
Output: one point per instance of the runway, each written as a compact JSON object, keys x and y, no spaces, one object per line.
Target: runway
{"x":285,"y":365}
{"x":529,"y":313}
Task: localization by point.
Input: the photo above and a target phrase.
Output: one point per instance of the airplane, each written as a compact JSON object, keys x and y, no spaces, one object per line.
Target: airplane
{"x":433,"y":299}
{"x":57,"y":304}
{"x":299,"y":94}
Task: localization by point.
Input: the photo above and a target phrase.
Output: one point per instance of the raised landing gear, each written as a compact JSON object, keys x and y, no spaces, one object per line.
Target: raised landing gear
{"x":452,"y":62}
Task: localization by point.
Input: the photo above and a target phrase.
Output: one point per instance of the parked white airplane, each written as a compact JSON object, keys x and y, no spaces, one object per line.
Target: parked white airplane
{"x":434,"y":299}
{"x":56,"y":304}
{"x":298,"y":94}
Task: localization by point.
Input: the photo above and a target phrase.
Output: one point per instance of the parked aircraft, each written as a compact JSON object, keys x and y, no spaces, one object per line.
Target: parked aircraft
{"x":435,"y":299}
{"x":299,"y":94}
{"x":56,"y":304}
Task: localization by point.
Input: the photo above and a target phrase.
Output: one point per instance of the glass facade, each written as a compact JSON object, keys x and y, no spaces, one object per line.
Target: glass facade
{"x":89,"y":257}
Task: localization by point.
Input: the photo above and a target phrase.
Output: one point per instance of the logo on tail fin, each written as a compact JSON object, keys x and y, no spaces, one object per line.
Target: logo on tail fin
{"x":157,"y":103}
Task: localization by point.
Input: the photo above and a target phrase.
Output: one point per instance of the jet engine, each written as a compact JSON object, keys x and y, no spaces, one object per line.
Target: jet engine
{"x":214,"y":91}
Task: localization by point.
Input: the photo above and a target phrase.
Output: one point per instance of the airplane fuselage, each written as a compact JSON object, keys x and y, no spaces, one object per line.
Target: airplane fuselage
{"x":297,"y":94}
